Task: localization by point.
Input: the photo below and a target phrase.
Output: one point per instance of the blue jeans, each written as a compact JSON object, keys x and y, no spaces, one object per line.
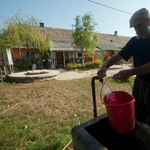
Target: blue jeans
{"x":141,"y":93}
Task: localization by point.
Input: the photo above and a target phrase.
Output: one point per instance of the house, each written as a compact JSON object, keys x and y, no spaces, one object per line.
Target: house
{"x":110,"y":50}
{"x":61,"y":47}
{"x":62,"y":40}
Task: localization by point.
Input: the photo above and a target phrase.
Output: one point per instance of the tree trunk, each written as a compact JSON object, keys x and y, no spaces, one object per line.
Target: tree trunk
{"x":74,"y":57}
{"x":20,"y":56}
{"x":92,"y":56}
{"x":82,"y":59}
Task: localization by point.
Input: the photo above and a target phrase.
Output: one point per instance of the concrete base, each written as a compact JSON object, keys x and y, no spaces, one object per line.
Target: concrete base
{"x":97,"y":134}
{"x":31,"y":76}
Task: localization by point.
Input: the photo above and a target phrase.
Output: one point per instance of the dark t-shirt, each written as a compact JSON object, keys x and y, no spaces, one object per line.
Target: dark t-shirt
{"x":140,"y":50}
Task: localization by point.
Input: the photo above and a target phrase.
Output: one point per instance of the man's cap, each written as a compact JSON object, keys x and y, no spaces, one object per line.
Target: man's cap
{"x":138,"y":17}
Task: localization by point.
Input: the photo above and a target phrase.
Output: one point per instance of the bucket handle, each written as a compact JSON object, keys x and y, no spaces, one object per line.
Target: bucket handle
{"x":104,"y":84}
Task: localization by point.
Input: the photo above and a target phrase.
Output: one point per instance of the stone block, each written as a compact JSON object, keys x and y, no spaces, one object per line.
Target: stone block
{"x":97,"y":134}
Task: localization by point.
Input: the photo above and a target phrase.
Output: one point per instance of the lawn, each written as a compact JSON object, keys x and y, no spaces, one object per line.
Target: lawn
{"x":40,"y":115}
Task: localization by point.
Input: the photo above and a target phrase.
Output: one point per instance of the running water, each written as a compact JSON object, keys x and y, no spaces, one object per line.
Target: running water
{"x":110,"y":98}
{"x":106,"y":90}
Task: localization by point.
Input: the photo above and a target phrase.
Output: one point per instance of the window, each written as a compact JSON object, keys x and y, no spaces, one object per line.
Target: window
{"x":79,"y":54}
{"x":30,"y":54}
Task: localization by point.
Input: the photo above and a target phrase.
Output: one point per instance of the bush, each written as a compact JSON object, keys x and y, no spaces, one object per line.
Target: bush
{"x":78,"y":66}
{"x":26,"y":63}
{"x":92,"y":64}
{"x":23,"y":63}
{"x":38,"y":58}
{"x":71,"y":66}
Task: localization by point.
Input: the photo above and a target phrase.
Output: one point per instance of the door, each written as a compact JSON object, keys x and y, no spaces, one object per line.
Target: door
{"x":60,"y":60}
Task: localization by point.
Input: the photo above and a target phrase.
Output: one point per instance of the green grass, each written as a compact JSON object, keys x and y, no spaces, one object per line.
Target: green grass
{"x":7,"y":83}
{"x":84,"y":69}
{"x":40,"y":116}
{"x":130,"y":80}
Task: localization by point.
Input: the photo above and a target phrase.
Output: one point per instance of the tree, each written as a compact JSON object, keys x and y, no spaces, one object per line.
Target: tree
{"x":103,"y":55}
{"x":84,"y":38}
{"x":6,"y":40}
{"x":24,"y":32}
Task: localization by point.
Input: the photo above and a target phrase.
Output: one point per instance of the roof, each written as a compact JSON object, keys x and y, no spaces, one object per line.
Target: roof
{"x":108,"y":47}
{"x":104,"y":39}
{"x":65,"y":46}
{"x":60,"y":34}
{"x":110,"y":39}
{"x":62,"y":46}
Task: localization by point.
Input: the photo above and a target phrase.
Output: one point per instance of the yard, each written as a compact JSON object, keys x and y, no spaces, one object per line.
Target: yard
{"x":40,"y":115}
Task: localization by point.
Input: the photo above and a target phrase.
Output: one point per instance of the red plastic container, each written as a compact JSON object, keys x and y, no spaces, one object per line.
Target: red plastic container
{"x":120,"y":111}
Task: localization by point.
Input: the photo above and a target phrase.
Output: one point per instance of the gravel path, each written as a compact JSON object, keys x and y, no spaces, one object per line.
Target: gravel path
{"x":69,"y":75}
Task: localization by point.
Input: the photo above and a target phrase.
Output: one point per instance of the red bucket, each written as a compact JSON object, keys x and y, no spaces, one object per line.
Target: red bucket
{"x":120,"y":111}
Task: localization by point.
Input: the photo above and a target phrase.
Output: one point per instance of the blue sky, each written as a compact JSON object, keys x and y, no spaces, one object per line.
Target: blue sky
{"x":61,"y":13}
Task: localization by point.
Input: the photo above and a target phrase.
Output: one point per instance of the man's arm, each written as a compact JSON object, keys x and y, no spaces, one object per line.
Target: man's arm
{"x":111,"y":61}
{"x":125,"y":74}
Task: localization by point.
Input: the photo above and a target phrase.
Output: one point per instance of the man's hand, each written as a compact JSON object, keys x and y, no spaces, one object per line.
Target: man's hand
{"x":102,"y":72}
{"x":122,"y":75}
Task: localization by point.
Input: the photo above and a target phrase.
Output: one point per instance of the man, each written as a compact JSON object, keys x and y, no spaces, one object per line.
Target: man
{"x":139,"y":48}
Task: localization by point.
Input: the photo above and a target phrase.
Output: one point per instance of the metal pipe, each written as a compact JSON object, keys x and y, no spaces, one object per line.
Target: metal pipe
{"x":93,"y":93}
